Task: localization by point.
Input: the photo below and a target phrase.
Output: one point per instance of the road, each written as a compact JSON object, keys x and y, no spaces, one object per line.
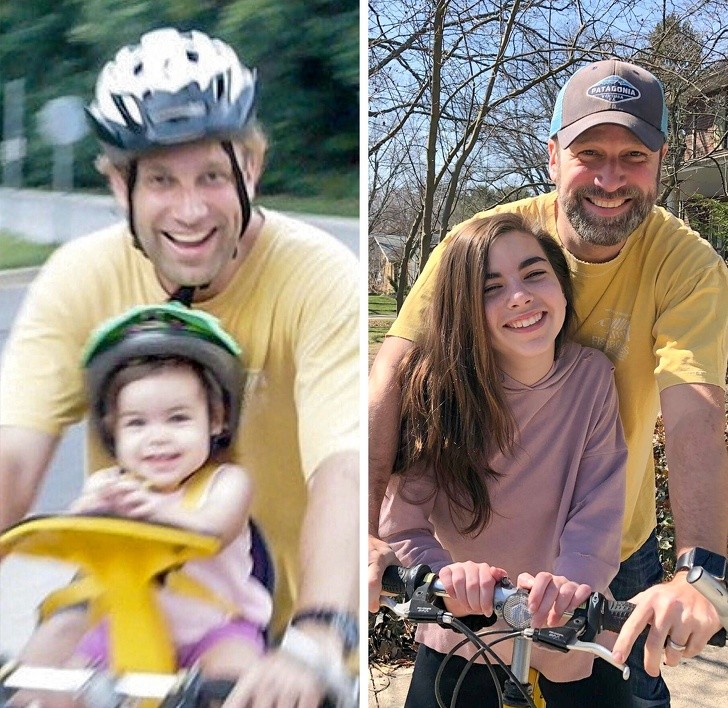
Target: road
{"x":24,"y":582}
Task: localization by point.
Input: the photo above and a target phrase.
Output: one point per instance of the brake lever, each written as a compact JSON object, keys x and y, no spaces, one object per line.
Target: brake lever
{"x":418,"y":608}
{"x":568,"y":638}
{"x":602,"y":653}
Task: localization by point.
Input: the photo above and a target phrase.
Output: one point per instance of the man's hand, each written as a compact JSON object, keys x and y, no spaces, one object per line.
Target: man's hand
{"x":676,"y":611}
{"x":277,"y":681}
{"x":380,"y":557}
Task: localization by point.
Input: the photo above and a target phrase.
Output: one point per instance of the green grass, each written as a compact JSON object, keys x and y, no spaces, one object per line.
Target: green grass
{"x":326,"y":206}
{"x":17,"y":252}
{"x":377,"y":330}
{"x":382,"y":305}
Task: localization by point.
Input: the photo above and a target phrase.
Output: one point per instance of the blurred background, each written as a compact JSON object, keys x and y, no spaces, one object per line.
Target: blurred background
{"x":305,"y":51}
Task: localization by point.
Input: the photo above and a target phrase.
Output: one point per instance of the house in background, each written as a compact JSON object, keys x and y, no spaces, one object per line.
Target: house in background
{"x":385,"y":258}
{"x":706,"y":172}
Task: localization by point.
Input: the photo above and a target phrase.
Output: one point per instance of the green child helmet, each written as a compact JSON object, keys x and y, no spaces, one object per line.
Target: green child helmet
{"x":158,"y":332}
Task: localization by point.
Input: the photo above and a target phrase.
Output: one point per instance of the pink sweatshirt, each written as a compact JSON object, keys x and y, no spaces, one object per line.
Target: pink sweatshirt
{"x":558,"y":503}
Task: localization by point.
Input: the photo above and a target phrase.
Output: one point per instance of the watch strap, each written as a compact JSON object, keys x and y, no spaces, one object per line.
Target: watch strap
{"x":345,"y":623}
{"x":711,"y":562}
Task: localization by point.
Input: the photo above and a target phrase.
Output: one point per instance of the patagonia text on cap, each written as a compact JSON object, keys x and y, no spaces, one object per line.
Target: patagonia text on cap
{"x":611,"y":91}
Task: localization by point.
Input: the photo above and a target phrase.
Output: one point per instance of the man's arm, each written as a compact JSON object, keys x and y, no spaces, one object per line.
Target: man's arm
{"x":24,"y":457}
{"x":384,"y":410}
{"x":694,"y":420}
{"x":329,"y":551}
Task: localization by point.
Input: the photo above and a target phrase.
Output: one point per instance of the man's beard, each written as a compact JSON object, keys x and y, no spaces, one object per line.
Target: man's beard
{"x":605,"y":230}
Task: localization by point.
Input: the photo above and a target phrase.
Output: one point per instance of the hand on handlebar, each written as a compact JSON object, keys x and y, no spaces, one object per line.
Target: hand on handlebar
{"x":277,"y":681}
{"x":381,"y":556}
{"x":550,"y":596}
{"x":676,"y":611}
{"x":470,"y":587}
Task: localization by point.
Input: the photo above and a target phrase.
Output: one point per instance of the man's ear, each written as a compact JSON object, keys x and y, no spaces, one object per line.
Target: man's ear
{"x":117,"y":184}
{"x":553,"y":147}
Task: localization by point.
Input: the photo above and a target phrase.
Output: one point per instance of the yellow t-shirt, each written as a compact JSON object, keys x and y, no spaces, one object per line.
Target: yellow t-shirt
{"x":659,"y":311}
{"x":293,"y":308}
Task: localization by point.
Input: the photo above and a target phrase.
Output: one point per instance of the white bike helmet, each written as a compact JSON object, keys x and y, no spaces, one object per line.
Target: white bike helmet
{"x":173,"y":88}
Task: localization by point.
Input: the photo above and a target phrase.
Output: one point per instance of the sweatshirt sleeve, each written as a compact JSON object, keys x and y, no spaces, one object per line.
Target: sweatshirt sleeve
{"x":405,"y":522}
{"x":590,"y":541}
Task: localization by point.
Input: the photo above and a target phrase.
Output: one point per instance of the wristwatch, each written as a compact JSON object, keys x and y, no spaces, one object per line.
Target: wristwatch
{"x":345,"y":623}
{"x":713,"y":563}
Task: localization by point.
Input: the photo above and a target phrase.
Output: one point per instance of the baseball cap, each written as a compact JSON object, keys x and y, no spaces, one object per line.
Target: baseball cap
{"x":611,"y":91}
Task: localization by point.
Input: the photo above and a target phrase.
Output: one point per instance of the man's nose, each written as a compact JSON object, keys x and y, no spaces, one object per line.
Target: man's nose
{"x":190,"y":206}
{"x":611,"y":175}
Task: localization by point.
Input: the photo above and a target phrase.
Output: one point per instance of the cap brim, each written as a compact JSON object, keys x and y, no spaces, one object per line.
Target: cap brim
{"x":646,"y":133}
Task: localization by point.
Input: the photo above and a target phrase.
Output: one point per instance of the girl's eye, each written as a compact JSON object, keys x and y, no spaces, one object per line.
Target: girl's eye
{"x":133,"y":422}
{"x":179,"y":418}
{"x":535,"y":273}
{"x":489,"y":289}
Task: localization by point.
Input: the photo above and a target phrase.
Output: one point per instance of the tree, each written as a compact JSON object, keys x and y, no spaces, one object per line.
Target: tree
{"x":305,"y":51}
{"x":461,"y":92}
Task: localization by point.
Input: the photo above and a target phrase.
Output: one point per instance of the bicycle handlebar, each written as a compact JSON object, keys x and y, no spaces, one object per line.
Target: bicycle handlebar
{"x":99,"y":689}
{"x":599,"y":613}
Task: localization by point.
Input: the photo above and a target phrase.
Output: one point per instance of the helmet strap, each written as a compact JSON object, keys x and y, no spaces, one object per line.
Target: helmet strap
{"x":227,"y":146}
{"x":184,"y":294}
{"x":131,"y":178}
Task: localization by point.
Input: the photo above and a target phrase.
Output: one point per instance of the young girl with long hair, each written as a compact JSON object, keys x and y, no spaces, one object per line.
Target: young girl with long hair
{"x":511,"y":458}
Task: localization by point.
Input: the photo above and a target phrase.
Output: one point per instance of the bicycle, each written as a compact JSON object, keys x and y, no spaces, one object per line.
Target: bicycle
{"x":123,"y":562}
{"x":419,"y":588}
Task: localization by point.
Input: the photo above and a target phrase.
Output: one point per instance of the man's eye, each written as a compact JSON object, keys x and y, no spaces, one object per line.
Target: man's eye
{"x":214,"y":177}
{"x":158,"y":180}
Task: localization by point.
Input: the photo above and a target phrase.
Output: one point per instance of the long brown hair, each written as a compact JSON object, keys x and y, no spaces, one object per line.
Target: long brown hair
{"x":454,"y":413}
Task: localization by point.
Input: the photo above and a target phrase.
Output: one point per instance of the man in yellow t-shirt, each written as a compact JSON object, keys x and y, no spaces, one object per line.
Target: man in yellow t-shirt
{"x":653,"y":296}
{"x":183,"y":153}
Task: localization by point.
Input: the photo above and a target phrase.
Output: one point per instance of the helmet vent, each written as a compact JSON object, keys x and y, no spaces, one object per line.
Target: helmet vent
{"x":138,"y":68}
{"x":219,"y":86}
{"x":193,"y":56}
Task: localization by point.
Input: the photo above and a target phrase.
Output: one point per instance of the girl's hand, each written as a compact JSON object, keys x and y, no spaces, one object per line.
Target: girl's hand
{"x":134,"y":500}
{"x":550,"y":596}
{"x":98,"y":493}
{"x":470,"y":587}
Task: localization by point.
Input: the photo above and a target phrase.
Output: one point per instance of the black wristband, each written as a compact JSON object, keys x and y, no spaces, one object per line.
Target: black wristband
{"x":345,"y":623}
{"x":711,"y":562}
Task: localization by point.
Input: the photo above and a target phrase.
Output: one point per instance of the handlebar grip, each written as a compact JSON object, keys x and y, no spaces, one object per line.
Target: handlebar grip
{"x":398,"y":580}
{"x":608,"y":614}
{"x":213,"y":691}
{"x":612,"y":614}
